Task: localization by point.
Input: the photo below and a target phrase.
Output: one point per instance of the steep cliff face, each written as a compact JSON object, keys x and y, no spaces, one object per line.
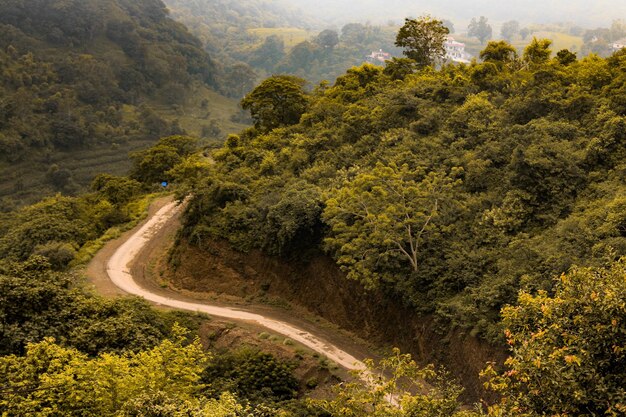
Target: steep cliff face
{"x":315,"y":283}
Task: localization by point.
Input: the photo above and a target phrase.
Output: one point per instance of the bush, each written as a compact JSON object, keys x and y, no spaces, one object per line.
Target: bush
{"x":59,"y":254}
{"x":253,"y":375}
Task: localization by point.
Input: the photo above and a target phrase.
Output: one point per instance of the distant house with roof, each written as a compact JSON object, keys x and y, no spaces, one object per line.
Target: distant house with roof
{"x":455,"y":51}
{"x":378,"y":57}
{"x":620,"y":44}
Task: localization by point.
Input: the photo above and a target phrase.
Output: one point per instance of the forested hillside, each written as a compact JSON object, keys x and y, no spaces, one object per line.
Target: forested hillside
{"x":257,"y":39}
{"x":452,"y":189}
{"x":80,"y":75}
{"x":65,"y":351}
{"x":474,"y":194}
{"x":485,"y":200}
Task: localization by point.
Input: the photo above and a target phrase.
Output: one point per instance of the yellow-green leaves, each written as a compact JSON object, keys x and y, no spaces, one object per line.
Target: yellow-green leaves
{"x":51,"y":381}
{"x":567,"y":348}
{"x":380,"y":219}
{"x":396,"y":387}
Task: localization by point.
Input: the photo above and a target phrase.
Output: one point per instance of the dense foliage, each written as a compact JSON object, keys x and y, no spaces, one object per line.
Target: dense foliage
{"x":458,"y":191}
{"x":65,"y":229}
{"x":82,"y":75}
{"x":568,"y":349}
{"x":66,"y":351}
{"x":252,"y":375}
{"x":38,"y":303}
{"x":58,"y":97}
{"x":278,"y":101}
{"x":451,"y":188}
{"x":40,"y":297}
{"x":153,"y":165}
{"x":397,"y":387}
{"x":50,"y":380}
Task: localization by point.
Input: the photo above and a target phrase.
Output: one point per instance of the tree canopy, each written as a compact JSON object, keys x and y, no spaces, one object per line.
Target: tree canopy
{"x":423,"y":40}
{"x":530,"y":147}
{"x":381,"y":218}
{"x":480,"y":29}
{"x":278,"y":101}
{"x":568,"y":355}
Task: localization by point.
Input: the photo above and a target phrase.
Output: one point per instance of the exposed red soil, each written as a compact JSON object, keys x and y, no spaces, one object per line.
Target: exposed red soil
{"x":317,"y":285}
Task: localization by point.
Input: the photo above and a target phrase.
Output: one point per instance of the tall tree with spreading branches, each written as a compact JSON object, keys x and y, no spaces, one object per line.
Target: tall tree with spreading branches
{"x":423,"y":40}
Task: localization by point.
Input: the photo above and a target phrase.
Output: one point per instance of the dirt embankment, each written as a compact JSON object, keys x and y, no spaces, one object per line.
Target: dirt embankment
{"x":317,"y":285}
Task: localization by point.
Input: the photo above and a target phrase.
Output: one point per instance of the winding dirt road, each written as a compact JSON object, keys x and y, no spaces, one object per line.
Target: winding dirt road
{"x":118,"y":269}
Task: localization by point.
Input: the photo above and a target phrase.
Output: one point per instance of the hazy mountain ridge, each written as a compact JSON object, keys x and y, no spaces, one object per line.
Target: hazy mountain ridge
{"x":591,"y":14}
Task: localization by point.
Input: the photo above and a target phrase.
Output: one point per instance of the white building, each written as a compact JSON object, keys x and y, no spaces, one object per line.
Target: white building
{"x":617,"y":45}
{"x":455,"y":51}
{"x":378,"y":57}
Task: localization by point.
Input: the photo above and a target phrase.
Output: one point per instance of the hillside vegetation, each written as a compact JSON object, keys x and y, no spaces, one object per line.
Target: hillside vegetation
{"x":451,"y":189}
{"x":66,"y":351}
{"x":89,"y":75}
{"x":487,"y":197}
{"x":260,"y":38}
{"x":474,"y":194}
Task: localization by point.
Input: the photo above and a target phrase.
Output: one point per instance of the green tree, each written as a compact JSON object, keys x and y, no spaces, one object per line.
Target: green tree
{"x":190,"y":172}
{"x":52,"y":380}
{"x":301,"y":57}
{"x":509,"y":29}
{"x":566,"y":57}
{"x":59,"y":254}
{"x":45,"y":303}
{"x":479,"y":29}
{"x":568,"y":354}
{"x":423,"y":40}
{"x":537,"y":52}
{"x":161,"y":404}
{"x":250,"y":374}
{"x":399,"y":68}
{"x":327,"y":39}
{"x":117,"y":190}
{"x":150,"y":166}
{"x":498,"y":52}
{"x":56,"y":219}
{"x":184,"y":145}
{"x":278,"y":101}
{"x":294,"y":221}
{"x":269,"y":53}
{"x":380,"y":219}
{"x":239,"y":80}
{"x":153,"y":164}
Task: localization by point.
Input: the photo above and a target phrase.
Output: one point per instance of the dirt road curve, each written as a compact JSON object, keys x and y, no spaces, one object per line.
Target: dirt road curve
{"x":118,"y":270}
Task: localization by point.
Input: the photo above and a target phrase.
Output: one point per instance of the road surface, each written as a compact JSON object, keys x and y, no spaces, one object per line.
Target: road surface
{"x":119,"y":266}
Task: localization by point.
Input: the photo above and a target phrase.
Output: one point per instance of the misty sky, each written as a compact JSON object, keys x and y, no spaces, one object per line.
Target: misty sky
{"x":587,"y":13}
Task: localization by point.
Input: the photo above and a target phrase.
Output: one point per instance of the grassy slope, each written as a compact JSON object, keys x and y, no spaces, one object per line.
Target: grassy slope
{"x":291,"y":36}
{"x":192,"y":117}
{"x":559,"y":41}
